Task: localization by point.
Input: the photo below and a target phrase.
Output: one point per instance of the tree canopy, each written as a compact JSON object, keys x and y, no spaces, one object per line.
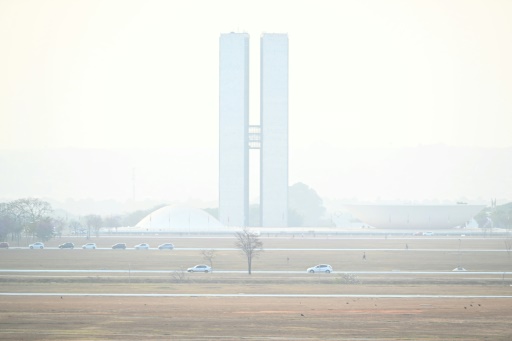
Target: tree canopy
{"x":305,"y":206}
{"x":31,"y":216}
{"x":499,"y":216}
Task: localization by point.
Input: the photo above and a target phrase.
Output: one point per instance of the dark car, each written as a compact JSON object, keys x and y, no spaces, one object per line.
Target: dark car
{"x":119,"y":246}
{"x":166,"y":246}
{"x":4,"y":245}
{"x":67,"y":246}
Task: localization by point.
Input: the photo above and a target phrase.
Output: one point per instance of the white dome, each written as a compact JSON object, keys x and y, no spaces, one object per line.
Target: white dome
{"x":180,"y":219}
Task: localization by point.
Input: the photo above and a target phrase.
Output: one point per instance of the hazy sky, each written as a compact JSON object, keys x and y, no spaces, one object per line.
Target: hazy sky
{"x":363,"y":74}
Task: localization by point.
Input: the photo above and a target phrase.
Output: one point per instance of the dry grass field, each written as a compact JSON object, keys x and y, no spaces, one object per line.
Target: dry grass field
{"x":365,"y":306}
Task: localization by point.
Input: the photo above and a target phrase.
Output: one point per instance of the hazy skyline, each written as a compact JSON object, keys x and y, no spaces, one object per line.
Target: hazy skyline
{"x":365,"y":76}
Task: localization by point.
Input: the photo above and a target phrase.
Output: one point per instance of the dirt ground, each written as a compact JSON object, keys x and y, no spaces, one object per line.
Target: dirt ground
{"x":235,"y":318}
{"x":352,"y":315}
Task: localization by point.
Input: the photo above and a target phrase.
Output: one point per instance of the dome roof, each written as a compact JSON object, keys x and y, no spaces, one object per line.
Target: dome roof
{"x":179,"y":219}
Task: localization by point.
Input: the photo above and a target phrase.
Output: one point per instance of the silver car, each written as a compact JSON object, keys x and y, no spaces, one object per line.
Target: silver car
{"x":37,"y":245}
{"x":91,"y":246}
{"x":200,"y":268}
{"x":320,"y":268}
{"x":142,"y":246}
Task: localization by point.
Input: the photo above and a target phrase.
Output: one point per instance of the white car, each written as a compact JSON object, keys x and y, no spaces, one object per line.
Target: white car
{"x":320,"y":268}
{"x":37,"y":245}
{"x":200,"y":268}
{"x":142,"y":246}
{"x":91,"y":246}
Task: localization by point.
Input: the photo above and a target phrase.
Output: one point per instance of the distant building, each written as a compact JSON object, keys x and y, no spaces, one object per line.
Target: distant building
{"x":236,"y":137}
{"x":415,"y":217}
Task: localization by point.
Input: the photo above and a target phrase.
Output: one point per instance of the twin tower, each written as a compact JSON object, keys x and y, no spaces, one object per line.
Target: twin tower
{"x":237,"y":136}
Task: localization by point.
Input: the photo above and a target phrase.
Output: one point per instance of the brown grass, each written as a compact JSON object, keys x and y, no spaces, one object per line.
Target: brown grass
{"x":177,"y":318}
{"x":260,"y":318}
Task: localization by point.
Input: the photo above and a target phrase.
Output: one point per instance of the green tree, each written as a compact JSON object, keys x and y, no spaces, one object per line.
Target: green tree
{"x":112,"y":221}
{"x":500,"y":216}
{"x":44,"y":229}
{"x":7,"y":223}
{"x":294,"y":219}
{"x":307,"y":205}
{"x":482,"y":217}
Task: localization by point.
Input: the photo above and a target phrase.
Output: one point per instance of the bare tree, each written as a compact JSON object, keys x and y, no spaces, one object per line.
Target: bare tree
{"x":208,"y":255}
{"x":31,"y":209}
{"x":112,"y":221}
{"x":28,"y":212}
{"x":179,"y":276}
{"x":76,"y":227}
{"x":58,"y":224}
{"x":93,"y":221}
{"x":250,"y":245}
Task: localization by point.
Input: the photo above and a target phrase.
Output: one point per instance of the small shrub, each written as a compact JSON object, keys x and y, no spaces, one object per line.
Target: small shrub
{"x":348,"y":278}
{"x":179,"y":276}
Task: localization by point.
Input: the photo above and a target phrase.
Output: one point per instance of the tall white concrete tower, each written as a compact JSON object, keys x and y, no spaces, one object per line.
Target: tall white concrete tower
{"x":236,"y":137}
{"x":233,"y":129}
{"x":274,"y":130}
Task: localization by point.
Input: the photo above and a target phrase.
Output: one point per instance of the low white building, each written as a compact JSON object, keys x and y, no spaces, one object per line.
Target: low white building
{"x":421,"y":217}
